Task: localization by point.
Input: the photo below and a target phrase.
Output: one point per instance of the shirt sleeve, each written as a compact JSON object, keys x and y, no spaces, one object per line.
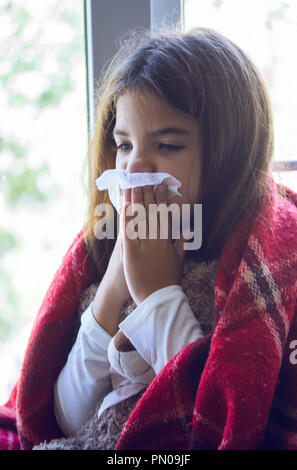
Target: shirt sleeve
{"x":161,"y":326}
{"x":85,"y":379}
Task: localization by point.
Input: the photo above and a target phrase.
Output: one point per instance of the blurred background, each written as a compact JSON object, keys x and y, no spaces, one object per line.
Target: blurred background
{"x":45,"y":110}
{"x":43,"y":142}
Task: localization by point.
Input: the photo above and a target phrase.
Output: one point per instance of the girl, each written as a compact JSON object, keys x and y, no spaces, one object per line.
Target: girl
{"x":181,"y":346}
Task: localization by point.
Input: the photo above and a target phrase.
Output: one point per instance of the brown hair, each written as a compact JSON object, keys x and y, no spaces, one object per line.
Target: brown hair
{"x":206,"y":75}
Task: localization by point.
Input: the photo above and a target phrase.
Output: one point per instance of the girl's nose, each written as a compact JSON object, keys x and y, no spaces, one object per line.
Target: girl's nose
{"x":139,"y":165}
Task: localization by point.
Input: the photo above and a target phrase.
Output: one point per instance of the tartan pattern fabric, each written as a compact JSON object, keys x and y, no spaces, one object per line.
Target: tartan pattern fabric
{"x":235,"y":388}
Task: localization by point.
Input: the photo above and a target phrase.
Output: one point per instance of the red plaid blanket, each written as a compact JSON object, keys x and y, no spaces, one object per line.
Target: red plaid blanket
{"x":236,"y":388}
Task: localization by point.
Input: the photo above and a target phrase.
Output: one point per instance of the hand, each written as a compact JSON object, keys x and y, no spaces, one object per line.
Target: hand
{"x":149,"y":264}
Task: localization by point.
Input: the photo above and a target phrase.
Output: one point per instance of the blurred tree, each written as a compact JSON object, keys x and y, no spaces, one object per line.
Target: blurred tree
{"x":23,"y":52}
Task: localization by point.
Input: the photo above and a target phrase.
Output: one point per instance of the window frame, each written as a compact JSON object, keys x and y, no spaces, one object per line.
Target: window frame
{"x":102,"y":25}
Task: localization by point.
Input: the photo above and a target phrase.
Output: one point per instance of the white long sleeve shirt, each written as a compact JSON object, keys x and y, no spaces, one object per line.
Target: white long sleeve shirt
{"x":159,"y":328}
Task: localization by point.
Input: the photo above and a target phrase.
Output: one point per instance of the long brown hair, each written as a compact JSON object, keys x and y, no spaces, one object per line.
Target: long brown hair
{"x":206,"y":75}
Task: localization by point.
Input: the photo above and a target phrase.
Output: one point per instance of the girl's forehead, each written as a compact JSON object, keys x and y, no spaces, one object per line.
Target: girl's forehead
{"x":139,"y":100}
{"x":146,"y":107}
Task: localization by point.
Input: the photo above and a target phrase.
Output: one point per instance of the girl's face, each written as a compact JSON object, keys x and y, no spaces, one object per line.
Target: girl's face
{"x":153,"y":136}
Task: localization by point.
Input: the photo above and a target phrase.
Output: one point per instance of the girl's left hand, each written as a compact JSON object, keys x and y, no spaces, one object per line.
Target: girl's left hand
{"x":149,"y":264}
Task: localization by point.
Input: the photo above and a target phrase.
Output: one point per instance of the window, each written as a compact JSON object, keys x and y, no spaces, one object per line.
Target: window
{"x":267,"y":32}
{"x":43,"y":142}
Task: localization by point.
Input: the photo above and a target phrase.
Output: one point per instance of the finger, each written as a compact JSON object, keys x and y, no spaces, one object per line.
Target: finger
{"x":147,"y":199}
{"x":136,"y":196}
{"x":164,"y":226}
{"x":120,"y":209}
{"x":139,"y":211}
{"x":122,"y":230}
{"x":120,"y":198}
{"x":128,"y":205}
{"x":165,"y":216}
{"x":148,"y":196}
{"x":161,"y":194}
{"x":127,"y":195}
{"x":129,"y":238}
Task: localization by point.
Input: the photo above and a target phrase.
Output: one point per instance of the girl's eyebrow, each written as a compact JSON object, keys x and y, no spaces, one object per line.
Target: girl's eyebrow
{"x":166,"y":130}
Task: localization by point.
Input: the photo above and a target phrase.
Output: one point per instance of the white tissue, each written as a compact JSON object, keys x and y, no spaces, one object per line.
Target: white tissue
{"x":115,"y":179}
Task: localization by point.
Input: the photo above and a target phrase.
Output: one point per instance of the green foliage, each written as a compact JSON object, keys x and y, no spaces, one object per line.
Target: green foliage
{"x":21,"y":17}
{"x":7,"y":242}
{"x":19,"y":182}
{"x":11,"y":145}
{"x":54,"y":94}
{"x":20,"y":64}
{"x":21,"y":186}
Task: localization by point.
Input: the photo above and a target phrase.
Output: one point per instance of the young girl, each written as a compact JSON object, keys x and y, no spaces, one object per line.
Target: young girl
{"x":154,"y":332}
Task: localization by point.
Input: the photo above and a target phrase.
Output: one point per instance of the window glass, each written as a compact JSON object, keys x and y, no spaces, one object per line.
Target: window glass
{"x":43,"y":143}
{"x":267,"y":32}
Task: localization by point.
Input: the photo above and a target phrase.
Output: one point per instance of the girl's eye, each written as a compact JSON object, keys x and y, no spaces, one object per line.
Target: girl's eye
{"x":123,"y":147}
{"x":171,"y":147}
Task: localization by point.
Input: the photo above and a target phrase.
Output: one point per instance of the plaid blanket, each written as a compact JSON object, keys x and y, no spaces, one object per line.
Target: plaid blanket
{"x":233,"y":389}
